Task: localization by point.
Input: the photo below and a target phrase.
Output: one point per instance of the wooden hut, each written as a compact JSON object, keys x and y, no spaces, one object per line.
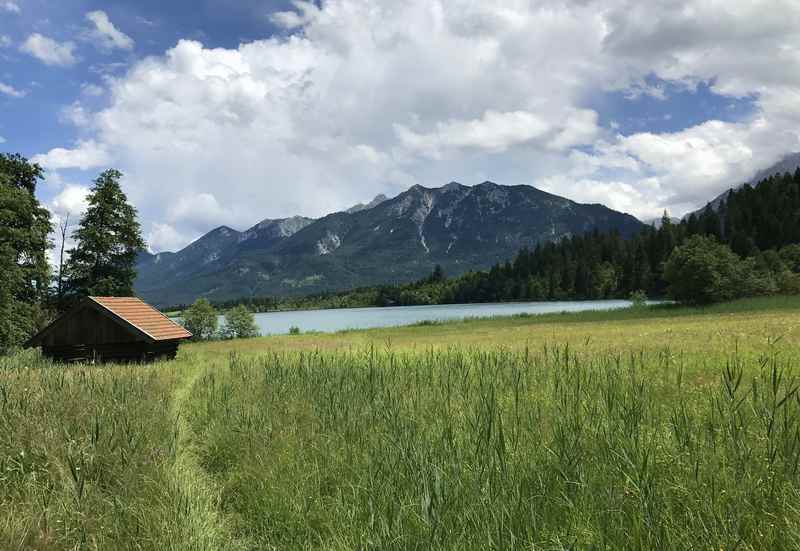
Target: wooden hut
{"x":110,"y":329}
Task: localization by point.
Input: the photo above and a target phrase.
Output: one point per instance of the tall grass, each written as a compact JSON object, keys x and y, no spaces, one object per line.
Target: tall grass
{"x":76,"y":448}
{"x":90,"y":458}
{"x":554,"y":447}
{"x":476,"y":449}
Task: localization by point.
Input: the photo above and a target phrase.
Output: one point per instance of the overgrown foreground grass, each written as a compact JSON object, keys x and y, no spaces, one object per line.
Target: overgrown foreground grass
{"x":461,"y":447}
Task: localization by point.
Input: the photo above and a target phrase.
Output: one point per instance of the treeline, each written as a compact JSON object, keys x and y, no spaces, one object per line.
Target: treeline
{"x":101,"y":262}
{"x":750,"y":242}
{"x":343,"y":299}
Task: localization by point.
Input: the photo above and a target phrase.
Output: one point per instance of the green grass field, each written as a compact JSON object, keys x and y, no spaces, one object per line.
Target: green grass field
{"x":666,"y":428}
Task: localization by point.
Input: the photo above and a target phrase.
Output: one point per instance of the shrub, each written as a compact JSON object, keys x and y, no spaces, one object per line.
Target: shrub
{"x":789,"y":283}
{"x":200,"y":319}
{"x":703,"y":271}
{"x":427,"y":323}
{"x":638,"y":299}
{"x":239,"y":323}
{"x":790,"y":255}
{"x":294,"y":330}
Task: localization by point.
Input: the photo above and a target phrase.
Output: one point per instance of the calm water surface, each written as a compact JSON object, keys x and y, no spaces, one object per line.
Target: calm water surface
{"x":276,"y":323}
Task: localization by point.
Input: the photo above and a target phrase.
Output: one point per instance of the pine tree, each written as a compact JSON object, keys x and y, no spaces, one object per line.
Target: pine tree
{"x":437,"y":275}
{"x":109,"y":238}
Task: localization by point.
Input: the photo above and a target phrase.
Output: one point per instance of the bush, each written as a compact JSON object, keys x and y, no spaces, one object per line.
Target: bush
{"x":239,"y":323}
{"x":703,"y":271}
{"x":294,"y":330}
{"x":790,"y":255}
{"x":200,"y":319}
{"x":789,"y":283}
{"x":638,"y":299}
{"x":427,"y":323}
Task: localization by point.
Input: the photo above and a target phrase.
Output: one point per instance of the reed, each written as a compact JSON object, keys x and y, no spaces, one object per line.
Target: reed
{"x":549,"y":444}
{"x":475,"y":449}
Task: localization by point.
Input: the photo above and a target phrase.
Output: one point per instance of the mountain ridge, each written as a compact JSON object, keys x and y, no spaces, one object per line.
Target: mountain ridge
{"x":395,"y":239}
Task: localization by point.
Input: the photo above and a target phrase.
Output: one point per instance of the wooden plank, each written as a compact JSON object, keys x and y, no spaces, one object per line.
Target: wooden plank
{"x":114,"y":352}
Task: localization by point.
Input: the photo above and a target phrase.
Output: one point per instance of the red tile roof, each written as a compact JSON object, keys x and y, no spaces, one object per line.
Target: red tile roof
{"x":143,"y":317}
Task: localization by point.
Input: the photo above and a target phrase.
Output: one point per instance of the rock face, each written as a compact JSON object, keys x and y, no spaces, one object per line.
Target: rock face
{"x":387,"y":241}
{"x":374,"y":203}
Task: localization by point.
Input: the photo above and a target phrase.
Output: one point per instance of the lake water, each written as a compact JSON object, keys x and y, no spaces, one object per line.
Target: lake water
{"x":328,"y":321}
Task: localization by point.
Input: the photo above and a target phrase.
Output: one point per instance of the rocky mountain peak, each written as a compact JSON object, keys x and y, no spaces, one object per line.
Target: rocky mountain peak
{"x":459,"y":227}
{"x":453,"y":186}
{"x":223,"y":230}
{"x":213,"y":238}
{"x":380,"y":198}
{"x":271,"y":229}
{"x":290,"y":226}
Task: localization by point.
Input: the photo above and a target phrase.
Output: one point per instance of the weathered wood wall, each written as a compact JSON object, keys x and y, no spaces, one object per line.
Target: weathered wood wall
{"x":88,"y":326}
{"x":112,"y":352}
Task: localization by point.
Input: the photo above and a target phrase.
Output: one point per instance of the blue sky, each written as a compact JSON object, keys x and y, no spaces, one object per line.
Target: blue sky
{"x":32,"y":124}
{"x":231,"y":112}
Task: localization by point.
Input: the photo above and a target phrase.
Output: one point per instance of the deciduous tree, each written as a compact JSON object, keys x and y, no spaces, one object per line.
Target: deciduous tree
{"x":24,"y":229}
{"x":201,"y":319}
{"x":240,"y":323}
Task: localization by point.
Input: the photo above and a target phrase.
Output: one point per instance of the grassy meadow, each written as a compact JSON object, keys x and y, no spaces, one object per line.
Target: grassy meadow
{"x":663,"y":428}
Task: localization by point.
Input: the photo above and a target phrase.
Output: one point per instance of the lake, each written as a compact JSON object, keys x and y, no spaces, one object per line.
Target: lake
{"x":328,"y":321}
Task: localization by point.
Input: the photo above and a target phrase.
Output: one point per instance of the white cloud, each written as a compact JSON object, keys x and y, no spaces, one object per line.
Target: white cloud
{"x":639,"y":89}
{"x":49,"y":51}
{"x":5,"y":41}
{"x":2,"y":139}
{"x":9,"y":90}
{"x":694,"y":165}
{"x":580,"y":128}
{"x":363,"y":97}
{"x":494,"y":132}
{"x":9,"y":6}
{"x":304,"y":13}
{"x":75,"y":114}
{"x":90,"y":89}
{"x":71,"y":199}
{"x":618,"y":195}
{"x":105,"y":34}
{"x":164,"y":237}
{"x":743,"y":46}
{"x":66,"y":207}
{"x":203,"y":209}
{"x":87,"y":154}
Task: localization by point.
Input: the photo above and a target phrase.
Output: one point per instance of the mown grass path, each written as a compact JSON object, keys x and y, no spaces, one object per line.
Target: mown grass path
{"x":203,"y":527}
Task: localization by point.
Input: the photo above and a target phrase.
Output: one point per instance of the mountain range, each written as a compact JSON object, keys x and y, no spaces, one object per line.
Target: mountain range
{"x":388,"y":240}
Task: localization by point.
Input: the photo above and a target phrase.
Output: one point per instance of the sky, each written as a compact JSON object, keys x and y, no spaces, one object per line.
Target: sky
{"x":229,"y":112}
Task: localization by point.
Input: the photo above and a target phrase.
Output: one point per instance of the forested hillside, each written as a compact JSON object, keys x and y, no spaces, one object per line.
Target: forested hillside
{"x":760,"y":224}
